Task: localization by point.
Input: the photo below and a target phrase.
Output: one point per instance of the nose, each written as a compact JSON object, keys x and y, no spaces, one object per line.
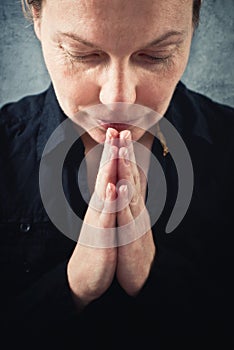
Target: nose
{"x":119,"y":85}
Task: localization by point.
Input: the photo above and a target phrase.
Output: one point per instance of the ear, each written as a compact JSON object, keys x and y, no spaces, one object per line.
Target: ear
{"x":36,"y":22}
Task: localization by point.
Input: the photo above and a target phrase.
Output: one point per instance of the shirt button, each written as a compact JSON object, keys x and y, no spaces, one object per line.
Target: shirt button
{"x":26,"y":267}
{"x":25,"y":227}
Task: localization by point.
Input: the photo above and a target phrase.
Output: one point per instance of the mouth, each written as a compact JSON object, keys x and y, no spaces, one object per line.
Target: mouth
{"x":117,"y":126}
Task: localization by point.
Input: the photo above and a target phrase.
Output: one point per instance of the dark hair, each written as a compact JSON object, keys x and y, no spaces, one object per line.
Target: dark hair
{"x":28,"y":4}
{"x":196,"y":12}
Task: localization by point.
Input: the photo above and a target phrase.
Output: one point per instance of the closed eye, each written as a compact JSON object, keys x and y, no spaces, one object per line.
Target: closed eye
{"x":86,"y":57}
{"x":147,"y":58}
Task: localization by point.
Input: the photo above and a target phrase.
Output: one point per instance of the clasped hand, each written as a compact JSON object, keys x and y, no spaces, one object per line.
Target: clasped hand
{"x":116,"y":238}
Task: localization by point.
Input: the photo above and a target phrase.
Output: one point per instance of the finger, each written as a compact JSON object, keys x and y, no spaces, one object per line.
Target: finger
{"x":98,"y":229}
{"x":108,"y":165}
{"x":125,"y":176}
{"x":124,"y":167}
{"x":130,"y":227}
{"x":111,"y":140}
{"x":124,"y":214}
{"x":126,"y":231}
{"x":108,"y":214}
{"x":125,"y":140}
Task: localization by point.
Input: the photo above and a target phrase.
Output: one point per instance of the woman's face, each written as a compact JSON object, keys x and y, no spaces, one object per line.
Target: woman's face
{"x":102,"y":52}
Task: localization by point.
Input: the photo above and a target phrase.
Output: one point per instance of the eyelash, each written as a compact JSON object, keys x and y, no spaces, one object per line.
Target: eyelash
{"x":92,"y":58}
{"x":155,"y":60}
{"x":84,"y":57}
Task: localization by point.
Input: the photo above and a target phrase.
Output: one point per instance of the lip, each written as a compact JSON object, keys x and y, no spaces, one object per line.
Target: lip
{"x":117,"y":126}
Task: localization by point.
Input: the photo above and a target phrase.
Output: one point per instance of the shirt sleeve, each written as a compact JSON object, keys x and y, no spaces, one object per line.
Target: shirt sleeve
{"x":48,"y":300}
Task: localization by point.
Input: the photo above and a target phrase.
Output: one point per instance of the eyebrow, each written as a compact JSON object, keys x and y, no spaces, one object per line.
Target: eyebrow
{"x":162,"y":38}
{"x":77,"y":38}
{"x":167,"y":35}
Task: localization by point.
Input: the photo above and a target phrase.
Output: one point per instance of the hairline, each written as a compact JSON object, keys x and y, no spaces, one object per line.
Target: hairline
{"x":28,"y":4}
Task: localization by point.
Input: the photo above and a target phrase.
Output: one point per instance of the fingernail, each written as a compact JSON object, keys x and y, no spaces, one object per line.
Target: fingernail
{"x":108,"y":134}
{"x":123,"y":190}
{"x":126,"y":160}
{"x":125,"y":157}
{"x":127,"y":135}
{"x":108,"y":191}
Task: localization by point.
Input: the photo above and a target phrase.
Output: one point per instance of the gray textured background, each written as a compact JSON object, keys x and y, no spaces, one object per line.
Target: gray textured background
{"x":210,"y":69}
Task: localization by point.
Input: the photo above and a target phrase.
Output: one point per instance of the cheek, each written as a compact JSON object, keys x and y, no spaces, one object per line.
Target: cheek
{"x":157,"y":94}
{"x":74,"y":88}
{"x":155,"y":91}
{"x":74,"y":94}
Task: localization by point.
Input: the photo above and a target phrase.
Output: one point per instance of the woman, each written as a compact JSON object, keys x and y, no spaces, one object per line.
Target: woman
{"x":103,"y":58}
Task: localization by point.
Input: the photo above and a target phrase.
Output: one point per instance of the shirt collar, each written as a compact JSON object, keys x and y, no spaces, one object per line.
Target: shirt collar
{"x":52,"y":116}
{"x":186,"y":114}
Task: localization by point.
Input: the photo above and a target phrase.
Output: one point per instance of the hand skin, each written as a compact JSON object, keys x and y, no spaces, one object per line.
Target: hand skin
{"x":135,"y":258}
{"x":90,"y":269}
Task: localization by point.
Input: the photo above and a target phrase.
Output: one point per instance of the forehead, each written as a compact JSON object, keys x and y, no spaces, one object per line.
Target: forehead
{"x":109,"y":20}
{"x":147,"y":12}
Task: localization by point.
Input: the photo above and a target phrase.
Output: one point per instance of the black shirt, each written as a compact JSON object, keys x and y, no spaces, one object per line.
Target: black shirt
{"x":188,"y":297}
